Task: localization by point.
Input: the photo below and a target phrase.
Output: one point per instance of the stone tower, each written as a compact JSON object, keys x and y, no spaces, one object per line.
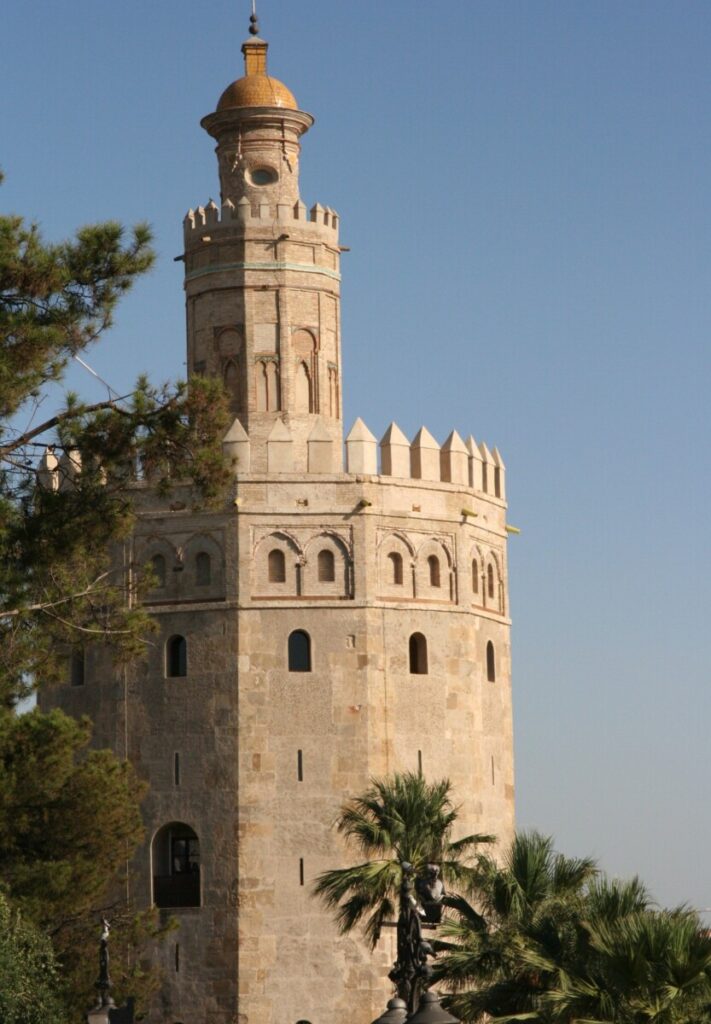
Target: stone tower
{"x":327,"y":626}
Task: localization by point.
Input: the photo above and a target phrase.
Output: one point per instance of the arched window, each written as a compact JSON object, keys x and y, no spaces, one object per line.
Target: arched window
{"x":176,"y":866}
{"x":231,"y":377}
{"x":299,"y":651}
{"x":158,"y":567}
{"x":203,"y":569}
{"x":433,"y":565}
{"x":475,"y":576}
{"x":326,"y":566}
{"x":260,"y":373}
{"x":176,"y":657}
{"x":276,"y":565}
{"x":77,"y":667}
{"x":490,"y":662}
{"x":395,"y":560}
{"x":418,"y":655}
{"x":490,"y":580}
{"x":302,"y":389}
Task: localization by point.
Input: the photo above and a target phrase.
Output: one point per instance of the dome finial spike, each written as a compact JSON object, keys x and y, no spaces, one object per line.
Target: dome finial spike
{"x":253,"y":20}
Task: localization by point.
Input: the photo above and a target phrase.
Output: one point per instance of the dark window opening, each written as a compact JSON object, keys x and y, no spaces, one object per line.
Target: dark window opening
{"x":176,"y":769}
{"x":301,"y":870}
{"x":490,"y":580}
{"x":177,"y":957}
{"x":419,"y":762}
{"x":418,"y":655}
{"x":395,"y":568}
{"x":490,"y":663}
{"x":326,"y":567}
{"x":176,"y":657}
{"x":433,"y":563}
{"x":176,"y":867}
{"x":299,"y":651}
{"x":203,"y":569}
{"x":277,"y":566}
{"x":77,"y":667}
{"x":497,"y":482}
{"x":475,"y":576}
{"x":299,"y":766}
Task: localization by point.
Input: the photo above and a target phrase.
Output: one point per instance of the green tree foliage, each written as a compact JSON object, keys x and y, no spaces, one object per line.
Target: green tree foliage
{"x":29,"y":979}
{"x":546,"y":939}
{"x":69,"y":816}
{"x":400,"y":819}
{"x":57,"y":588}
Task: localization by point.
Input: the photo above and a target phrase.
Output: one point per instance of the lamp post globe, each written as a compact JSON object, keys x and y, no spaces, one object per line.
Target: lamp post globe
{"x":430,"y":1011}
{"x":396,"y":1013}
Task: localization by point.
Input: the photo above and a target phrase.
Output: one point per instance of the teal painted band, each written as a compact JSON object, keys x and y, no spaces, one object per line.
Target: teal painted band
{"x":300,"y":268}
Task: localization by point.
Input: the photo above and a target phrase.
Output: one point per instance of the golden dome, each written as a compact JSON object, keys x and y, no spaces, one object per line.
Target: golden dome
{"x":257,"y":91}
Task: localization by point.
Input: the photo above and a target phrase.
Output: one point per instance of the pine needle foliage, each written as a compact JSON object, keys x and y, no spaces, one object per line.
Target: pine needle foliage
{"x":70,"y":815}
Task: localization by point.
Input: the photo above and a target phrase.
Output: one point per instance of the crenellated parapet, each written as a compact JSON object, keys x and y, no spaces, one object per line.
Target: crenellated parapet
{"x":465,"y":463}
{"x":319,"y":222}
{"x":456,"y":461}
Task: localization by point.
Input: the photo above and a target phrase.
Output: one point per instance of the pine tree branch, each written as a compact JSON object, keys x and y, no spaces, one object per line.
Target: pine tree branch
{"x":44,"y":605}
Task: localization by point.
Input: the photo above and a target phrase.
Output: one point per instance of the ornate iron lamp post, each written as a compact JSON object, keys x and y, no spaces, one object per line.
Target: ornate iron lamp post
{"x":412,"y":972}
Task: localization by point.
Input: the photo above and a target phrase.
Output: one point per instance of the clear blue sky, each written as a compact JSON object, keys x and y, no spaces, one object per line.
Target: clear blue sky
{"x":525,"y":188}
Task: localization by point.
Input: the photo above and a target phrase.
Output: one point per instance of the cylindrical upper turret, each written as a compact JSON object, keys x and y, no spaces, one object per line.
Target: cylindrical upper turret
{"x":257,"y":125}
{"x":262,"y":281}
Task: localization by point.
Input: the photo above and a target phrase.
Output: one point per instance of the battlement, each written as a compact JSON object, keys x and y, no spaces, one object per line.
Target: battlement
{"x":456,"y":461}
{"x":320,"y":220}
{"x":472,"y":466}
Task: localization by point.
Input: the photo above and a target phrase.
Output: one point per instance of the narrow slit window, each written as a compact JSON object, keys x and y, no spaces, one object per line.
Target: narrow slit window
{"x":277,"y":566}
{"x":395,"y":560}
{"x":419,"y":762}
{"x":176,"y":657}
{"x":490,"y":580}
{"x":299,"y":766}
{"x":176,"y":769}
{"x":493,"y":775}
{"x":475,"y":576}
{"x":177,"y":957}
{"x":326,"y":566}
{"x":203,"y":569}
{"x":301,"y":870}
{"x":418,"y":655}
{"x":490,"y":662}
{"x":433,"y":564}
{"x":299,"y":651}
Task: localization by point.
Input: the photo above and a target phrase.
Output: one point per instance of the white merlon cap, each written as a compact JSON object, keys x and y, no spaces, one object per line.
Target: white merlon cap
{"x":361,"y":450}
{"x":395,"y":448}
{"x":425,"y":455}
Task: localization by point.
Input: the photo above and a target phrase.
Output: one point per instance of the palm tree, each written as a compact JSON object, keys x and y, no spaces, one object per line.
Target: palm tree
{"x":637,"y":968}
{"x":552,"y":942}
{"x":501,"y":956}
{"x":401,"y":819}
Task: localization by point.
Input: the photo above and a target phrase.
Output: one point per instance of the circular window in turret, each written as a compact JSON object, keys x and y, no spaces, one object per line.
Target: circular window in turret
{"x":262,"y":176}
